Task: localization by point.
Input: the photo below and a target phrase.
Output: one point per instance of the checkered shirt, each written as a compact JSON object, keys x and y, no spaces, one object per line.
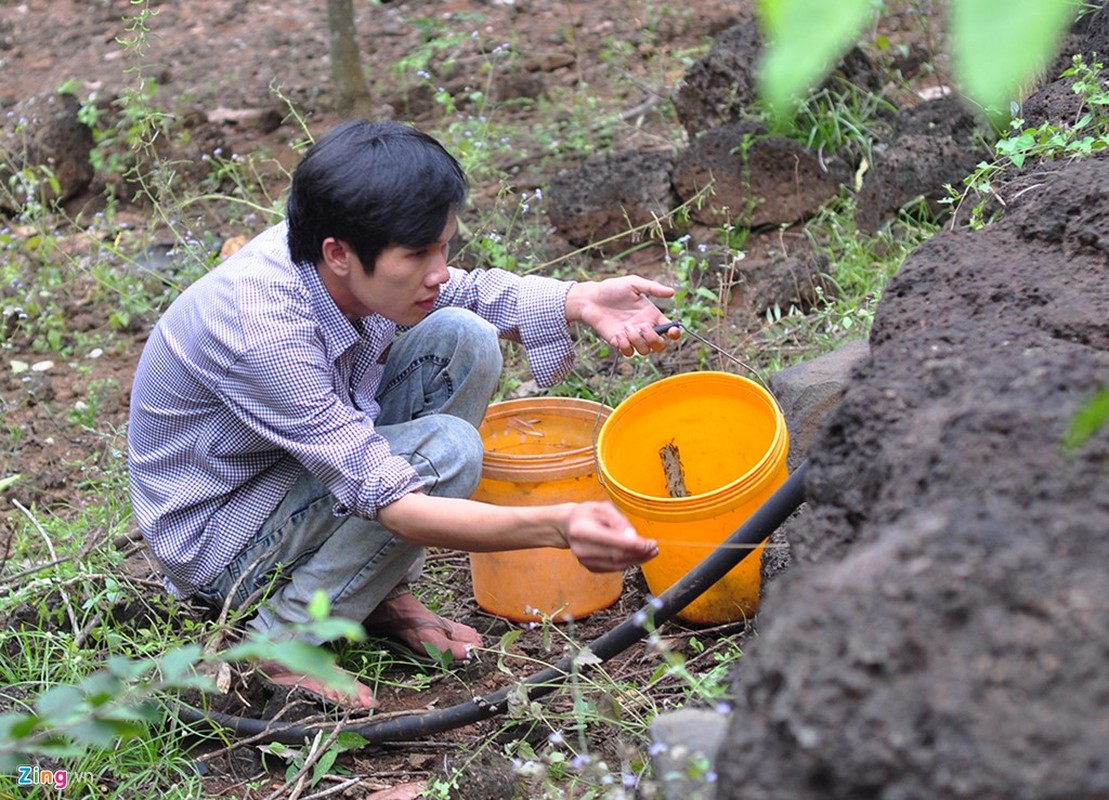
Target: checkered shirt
{"x":253,"y":374}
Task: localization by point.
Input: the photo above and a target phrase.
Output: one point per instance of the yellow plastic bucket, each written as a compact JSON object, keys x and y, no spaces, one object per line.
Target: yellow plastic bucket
{"x":732,"y":442}
{"x":539,"y":451}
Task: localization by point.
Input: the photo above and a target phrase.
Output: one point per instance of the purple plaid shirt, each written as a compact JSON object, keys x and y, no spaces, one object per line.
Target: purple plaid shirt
{"x":253,"y":375}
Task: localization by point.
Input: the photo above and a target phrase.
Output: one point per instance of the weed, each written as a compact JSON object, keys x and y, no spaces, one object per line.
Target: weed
{"x":1085,"y":135}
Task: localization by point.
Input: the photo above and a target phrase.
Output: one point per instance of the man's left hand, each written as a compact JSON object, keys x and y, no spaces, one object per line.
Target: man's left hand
{"x":620,"y":311}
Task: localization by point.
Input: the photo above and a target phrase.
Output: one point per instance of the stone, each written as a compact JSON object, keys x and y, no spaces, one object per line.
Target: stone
{"x":683,"y":753}
{"x":750,"y":177}
{"x":933,"y":145}
{"x":808,"y":391}
{"x":609,"y":196}
{"x":43,"y":133}
{"x":941,"y":629}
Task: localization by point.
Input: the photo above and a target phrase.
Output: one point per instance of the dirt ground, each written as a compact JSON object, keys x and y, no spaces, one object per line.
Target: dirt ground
{"x":217,"y":59}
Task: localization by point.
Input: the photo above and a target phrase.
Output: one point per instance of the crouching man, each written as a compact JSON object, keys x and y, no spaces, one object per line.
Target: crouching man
{"x":304,"y":417}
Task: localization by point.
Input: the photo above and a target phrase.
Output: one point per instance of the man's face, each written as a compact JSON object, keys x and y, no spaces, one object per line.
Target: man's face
{"x":404,"y":284}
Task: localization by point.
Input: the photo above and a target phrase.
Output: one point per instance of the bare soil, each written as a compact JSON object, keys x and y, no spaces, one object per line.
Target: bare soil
{"x":220,"y":64}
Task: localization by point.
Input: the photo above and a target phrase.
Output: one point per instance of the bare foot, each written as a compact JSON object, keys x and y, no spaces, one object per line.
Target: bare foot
{"x":359,"y":698}
{"x":410,"y":622}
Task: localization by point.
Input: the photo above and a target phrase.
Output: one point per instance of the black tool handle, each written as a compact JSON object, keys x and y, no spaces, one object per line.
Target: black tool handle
{"x":664,"y":327}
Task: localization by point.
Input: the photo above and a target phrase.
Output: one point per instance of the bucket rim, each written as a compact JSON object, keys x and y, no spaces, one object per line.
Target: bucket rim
{"x":767,"y":464}
{"x":538,"y":467}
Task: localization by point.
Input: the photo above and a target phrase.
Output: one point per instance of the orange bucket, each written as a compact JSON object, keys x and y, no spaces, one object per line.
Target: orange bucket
{"x":539,"y":451}
{"x":732,"y":441}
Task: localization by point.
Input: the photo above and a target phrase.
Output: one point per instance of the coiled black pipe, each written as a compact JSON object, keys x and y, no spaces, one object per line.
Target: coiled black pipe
{"x":769,"y":516}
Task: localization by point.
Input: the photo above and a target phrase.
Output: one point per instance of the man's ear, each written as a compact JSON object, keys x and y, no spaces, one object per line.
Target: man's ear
{"x":338,"y":258}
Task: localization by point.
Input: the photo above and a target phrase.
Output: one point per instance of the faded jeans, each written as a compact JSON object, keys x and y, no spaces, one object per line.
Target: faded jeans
{"x":438,"y":380}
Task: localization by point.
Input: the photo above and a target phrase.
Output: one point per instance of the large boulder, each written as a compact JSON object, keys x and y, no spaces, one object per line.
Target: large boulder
{"x":610,"y":195}
{"x":942,"y":631}
{"x":720,"y":85}
{"x":933,"y":145}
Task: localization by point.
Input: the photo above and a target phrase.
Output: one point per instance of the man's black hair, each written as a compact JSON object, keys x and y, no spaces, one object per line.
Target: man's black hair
{"x":372,"y":185}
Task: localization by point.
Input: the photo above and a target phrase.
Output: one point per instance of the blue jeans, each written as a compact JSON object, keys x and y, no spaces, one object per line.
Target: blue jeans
{"x":439,"y":378}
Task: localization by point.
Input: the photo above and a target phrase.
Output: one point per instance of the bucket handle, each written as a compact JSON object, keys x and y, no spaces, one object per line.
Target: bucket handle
{"x":662,"y":329}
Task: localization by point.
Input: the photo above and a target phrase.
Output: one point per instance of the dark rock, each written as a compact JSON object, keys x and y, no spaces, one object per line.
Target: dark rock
{"x":516,"y":85}
{"x":807,"y":393}
{"x":43,"y":132}
{"x":717,"y":87}
{"x":756,"y":178}
{"x":942,"y":629}
{"x":1094,"y":30}
{"x":933,"y":145}
{"x":489,"y":776}
{"x":610,"y":194}
{"x":774,"y":280}
{"x":686,"y":744}
{"x":1055,"y":102}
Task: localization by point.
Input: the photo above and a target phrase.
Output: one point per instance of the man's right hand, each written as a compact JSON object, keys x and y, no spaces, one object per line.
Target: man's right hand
{"x":597,"y":533}
{"x":603,"y":540}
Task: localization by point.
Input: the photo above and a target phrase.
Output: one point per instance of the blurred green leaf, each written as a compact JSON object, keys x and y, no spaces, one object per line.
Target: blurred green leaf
{"x":319,"y":606}
{"x":178,"y":662}
{"x":144,"y":713}
{"x":127,"y":668}
{"x":14,"y":725}
{"x":1090,"y":419}
{"x":100,"y":688}
{"x":998,"y":46}
{"x":296,"y":656}
{"x":804,"y":40}
{"x":59,"y":703}
{"x":57,"y":747}
{"x":104,"y":733}
{"x":335,"y":628}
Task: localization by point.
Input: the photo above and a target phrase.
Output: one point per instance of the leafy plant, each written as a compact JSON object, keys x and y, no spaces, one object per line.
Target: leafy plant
{"x":118,"y":702}
{"x":1049,"y":141}
{"x":1091,"y":418}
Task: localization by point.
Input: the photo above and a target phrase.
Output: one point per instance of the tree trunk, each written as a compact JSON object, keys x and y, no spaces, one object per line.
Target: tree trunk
{"x":352,"y":95}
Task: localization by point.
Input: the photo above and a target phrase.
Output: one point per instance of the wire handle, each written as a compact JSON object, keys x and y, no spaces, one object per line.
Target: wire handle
{"x":664,"y":327}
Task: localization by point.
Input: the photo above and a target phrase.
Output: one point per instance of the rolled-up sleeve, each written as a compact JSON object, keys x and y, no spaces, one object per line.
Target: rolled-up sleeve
{"x":529,"y":309}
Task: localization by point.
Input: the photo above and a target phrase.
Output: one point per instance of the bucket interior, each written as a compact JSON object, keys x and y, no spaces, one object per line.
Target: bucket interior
{"x":725,"y":428}
{"x":540,"y":439}
{"x":539,"y":451}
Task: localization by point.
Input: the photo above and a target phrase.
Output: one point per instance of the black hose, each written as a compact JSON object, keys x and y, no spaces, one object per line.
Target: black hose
{"x":768,"y":518}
